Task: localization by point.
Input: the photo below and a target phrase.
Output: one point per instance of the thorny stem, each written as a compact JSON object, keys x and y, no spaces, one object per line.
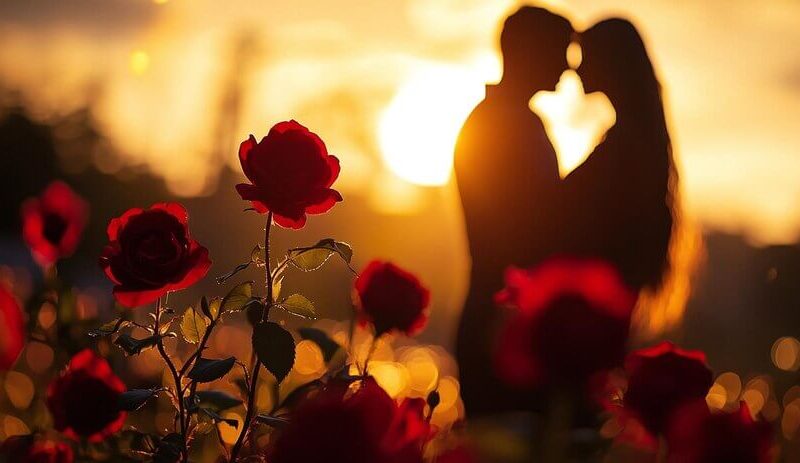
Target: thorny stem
{"x":251,"y":393}
{"x":175,"y":376}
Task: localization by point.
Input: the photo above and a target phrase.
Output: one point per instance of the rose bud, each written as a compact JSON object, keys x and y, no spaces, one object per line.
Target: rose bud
{"x":151,"y":253}
{"x":84,"y":398}
{"x":364,"y":425}
{"x":12,"y":330}
{"x":23,"y":449}
{"x":52,"y":224}
{"x":391,"y":299}
{"x":660,"y":380}
{"x":290,"y":173}
{"x":570,"y":322}
{"x":697,"y":435}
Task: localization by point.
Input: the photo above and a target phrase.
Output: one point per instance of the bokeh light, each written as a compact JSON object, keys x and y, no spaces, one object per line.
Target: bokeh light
{"x":786,"y":353}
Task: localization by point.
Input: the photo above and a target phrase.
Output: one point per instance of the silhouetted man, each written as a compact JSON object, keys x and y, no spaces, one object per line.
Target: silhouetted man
{"x":507,"y":174}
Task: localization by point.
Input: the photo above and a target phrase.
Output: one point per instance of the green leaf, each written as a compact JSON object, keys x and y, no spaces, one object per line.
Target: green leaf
{"x":216,"y":400}
{"x":169,"y":449}
{"x":275,"y":348}
{"x":328,"y":346}
{"x":134,"y":399}
{"x":299,"y":305}
{"x":218,"y":418}
{"x":237,"y":297}
{"x":133,"y":346}
{"x":313,"y":257}
{"x":193,"y":325}
{"x":258,"y":255}
{"x":308,"y":260}
{"x":107,"y":329}
{"x":274,"y":421}
{"x":237,"y":269}
{"x":277,"y":284}
{"x":207,"y":370}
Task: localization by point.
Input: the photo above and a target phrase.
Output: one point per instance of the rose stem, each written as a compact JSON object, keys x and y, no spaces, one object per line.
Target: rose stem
{"x":175,"y":376}
{"x":251,"y":393}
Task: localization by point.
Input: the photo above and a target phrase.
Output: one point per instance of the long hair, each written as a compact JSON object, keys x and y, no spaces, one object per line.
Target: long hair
{"x":617,"y":62}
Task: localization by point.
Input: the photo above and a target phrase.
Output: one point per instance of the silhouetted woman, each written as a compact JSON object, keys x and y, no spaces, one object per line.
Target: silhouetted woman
{"x":622,"y":196}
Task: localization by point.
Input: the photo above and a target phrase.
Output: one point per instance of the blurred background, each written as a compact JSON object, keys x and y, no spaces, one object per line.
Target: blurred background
{"x":132,"y":102}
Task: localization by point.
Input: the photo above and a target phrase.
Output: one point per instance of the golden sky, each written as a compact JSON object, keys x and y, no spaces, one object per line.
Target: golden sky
{"x":387,"y":83}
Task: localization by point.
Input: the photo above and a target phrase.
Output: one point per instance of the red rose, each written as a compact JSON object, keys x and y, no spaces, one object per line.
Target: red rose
{"x":391,"y":299}
{"x":12,"y":330}
{"x":151,"y":253}
{"x":84,"y":398}
{"x":52,"y":224}
{"x":660,"y":380}
{"x":364,"y":426}
{"x":23,"y":449}
{"x":571,"y":322}
{"x":698,"y":436}
{"x":457,"y":455}
{"x":290,"y":173}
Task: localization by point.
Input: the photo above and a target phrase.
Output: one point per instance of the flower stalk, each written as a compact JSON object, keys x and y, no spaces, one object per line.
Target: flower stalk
{"x":175,"y":376}
{"x":251,"y":393}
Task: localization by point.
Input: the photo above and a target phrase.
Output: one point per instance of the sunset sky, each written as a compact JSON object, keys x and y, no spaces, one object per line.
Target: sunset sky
{"x":387,"y":84}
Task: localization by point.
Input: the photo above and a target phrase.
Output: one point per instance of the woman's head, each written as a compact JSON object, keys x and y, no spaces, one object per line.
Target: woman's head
{"x":615,"y":62}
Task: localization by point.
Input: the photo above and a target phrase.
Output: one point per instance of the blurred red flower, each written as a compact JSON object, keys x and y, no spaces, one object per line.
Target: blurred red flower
{"x":12,"y":330}
{"x":84,"y":398}
{"x":697,"y":435}
{"x":52,"y":224}
{"x":23,"y":449}
{"x":571,"y":321}
{"x":459,"y":454}
{"x":290,"y":173}
{"x":364,"y":425}
{"x":660,"y":380}
{"x":151,"y":253}
{"x":391,"y":299}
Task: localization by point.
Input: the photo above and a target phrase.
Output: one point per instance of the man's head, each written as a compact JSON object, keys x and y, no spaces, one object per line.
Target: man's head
{"x":534,"y":45}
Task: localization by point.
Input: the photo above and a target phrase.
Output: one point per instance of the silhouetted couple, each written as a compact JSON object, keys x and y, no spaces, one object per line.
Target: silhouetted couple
{"x":616,"y":206}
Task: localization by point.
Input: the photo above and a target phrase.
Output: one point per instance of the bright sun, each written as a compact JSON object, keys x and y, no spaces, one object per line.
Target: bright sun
{"x":418,"y":130}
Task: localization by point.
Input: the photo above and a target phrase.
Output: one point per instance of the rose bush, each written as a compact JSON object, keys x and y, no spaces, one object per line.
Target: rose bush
{"x":290,"y":173}
{"x":697,"y":435}
{"x":52,"y":224}
{"x":151,"y":253}
{"x":360,"y":426}
{"x":391,"y":298}
{"x":570,"y":321}
{"x":84,"y":398}
{"x":661,"y":379}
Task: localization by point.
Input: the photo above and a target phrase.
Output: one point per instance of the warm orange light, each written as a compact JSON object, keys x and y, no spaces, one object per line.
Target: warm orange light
{"x":418,"y":131}
{"x":139,"y":62}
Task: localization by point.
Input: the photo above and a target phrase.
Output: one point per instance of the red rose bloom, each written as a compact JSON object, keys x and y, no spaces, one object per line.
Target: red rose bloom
{"x":571,"y":322}
{"x":698,"y":436}
{"x":391,"y":299}
{"x":23,"y":449}
{"x":84,"y":398}
{"x":660,"y":380}
{"x":457,"y":455}
{"x":151,"y":253}
{"x":365,"y":426}
{"x":52,"y":223}
{"x":290,"y":173}
{"x":12,"y":330}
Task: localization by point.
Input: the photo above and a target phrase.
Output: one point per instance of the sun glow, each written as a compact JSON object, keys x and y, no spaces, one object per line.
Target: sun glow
{"x":418,"y":130}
